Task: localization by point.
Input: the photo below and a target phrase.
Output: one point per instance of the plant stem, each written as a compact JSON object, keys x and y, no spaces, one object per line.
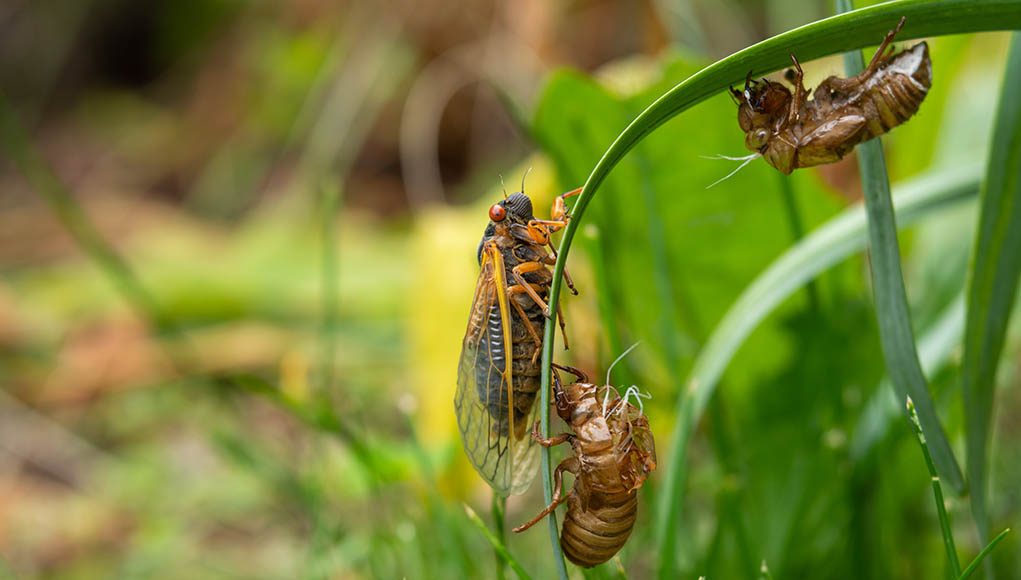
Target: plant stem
{"x":937,"y":492}
{"x":499,"y":508}
{"x":892,"y":313}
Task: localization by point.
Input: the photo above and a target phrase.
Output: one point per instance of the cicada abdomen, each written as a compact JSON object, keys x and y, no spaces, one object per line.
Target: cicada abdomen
{"x":498,"y":372}
{"x":790,"y":131}
{"x":614,"y":453}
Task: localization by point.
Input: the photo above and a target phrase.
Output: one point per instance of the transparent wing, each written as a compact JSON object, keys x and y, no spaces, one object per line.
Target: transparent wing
{"x":500,"y":449}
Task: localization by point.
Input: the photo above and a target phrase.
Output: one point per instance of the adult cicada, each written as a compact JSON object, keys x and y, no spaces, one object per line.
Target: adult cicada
{"x":791,"y":131}
{"x":498,"y":373}
{"x":614,"y":453}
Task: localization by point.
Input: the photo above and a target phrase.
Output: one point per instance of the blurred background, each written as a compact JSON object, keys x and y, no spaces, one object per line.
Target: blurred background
{"x":237,"y":251}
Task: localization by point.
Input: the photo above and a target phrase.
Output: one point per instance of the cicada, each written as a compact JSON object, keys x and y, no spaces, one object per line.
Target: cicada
{"x":791,"y":131}
{"x":498,"y":373}
{"x":614,"y":453}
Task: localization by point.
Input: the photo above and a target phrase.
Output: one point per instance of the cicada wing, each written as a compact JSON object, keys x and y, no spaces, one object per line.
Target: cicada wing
{"x":642,"y":434}
{"x":525,"y":455}
{"x":499,"y":448}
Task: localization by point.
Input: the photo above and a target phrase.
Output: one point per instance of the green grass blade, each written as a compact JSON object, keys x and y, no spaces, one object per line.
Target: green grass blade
{"x":982,"y":555}
{"x":853,"y":30}
{"x":497,"y":544}
{"x":894,"y":318}
{"x":994,"y":282}
{"x":546,"y":461}
{"x":935,"y":347}
{"x":937,"y":493}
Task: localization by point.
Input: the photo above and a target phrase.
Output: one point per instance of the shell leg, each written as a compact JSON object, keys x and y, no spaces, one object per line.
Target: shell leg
{"x":572,"y":465}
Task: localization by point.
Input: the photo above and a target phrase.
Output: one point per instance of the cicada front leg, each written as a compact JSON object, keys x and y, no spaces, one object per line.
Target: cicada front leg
{"x":558,"y":214}
{"x":550,"y":442}
{"x":572,"y":465}
{"x":518,"y":272}
{"x":552,"y":260}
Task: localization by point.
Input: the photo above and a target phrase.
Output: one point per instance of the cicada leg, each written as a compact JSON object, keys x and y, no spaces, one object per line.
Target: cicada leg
{"x":555,"y":440}
{"x":517,"y":272}
{"x":582,"y":376}
{"x":552,"y":260}
{"x":572,"y":465}
{"x":563,"y":325}
{"x":524,"y":317}
{"x":558,"y":215}
{"x":880,"y":53}
{"x":800,"y":94}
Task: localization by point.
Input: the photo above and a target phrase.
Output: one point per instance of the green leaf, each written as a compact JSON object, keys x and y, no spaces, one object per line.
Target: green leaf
{"x":994,"y":281}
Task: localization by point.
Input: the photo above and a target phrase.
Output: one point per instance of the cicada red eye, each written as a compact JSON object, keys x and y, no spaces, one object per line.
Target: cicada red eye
{"x":497,"y":212}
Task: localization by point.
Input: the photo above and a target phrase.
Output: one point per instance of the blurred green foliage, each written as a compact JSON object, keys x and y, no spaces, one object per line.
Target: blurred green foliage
{"x":244,"y":464}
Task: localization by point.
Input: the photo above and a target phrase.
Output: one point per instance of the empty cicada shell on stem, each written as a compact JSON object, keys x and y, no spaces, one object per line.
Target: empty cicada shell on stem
{"x":498,"y":373}
{"x":614,"y":453}
{"x":791,"y":131}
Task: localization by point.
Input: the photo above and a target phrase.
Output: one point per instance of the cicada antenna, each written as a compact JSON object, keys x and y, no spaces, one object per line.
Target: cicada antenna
{"x":620,"y":358}
{"x":639,"y":395}
{"x":503,"y":186}
{"x":606,"y":397}
{"x":747,"y":159}
{"x":523,"y":177}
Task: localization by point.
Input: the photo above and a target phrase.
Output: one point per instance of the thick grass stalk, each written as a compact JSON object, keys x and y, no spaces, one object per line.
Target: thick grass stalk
{"x":544,"y":420}
{"x":994,"y":282}
{"x":853,"y":30}
{"x":937,"y":493}
{"x":895,"y":331}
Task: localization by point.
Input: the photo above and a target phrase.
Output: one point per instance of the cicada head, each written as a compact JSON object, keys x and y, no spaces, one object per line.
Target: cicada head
{"x":516,"y":208}
{"x":762,"y":106}
{"x":574,"y":398}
